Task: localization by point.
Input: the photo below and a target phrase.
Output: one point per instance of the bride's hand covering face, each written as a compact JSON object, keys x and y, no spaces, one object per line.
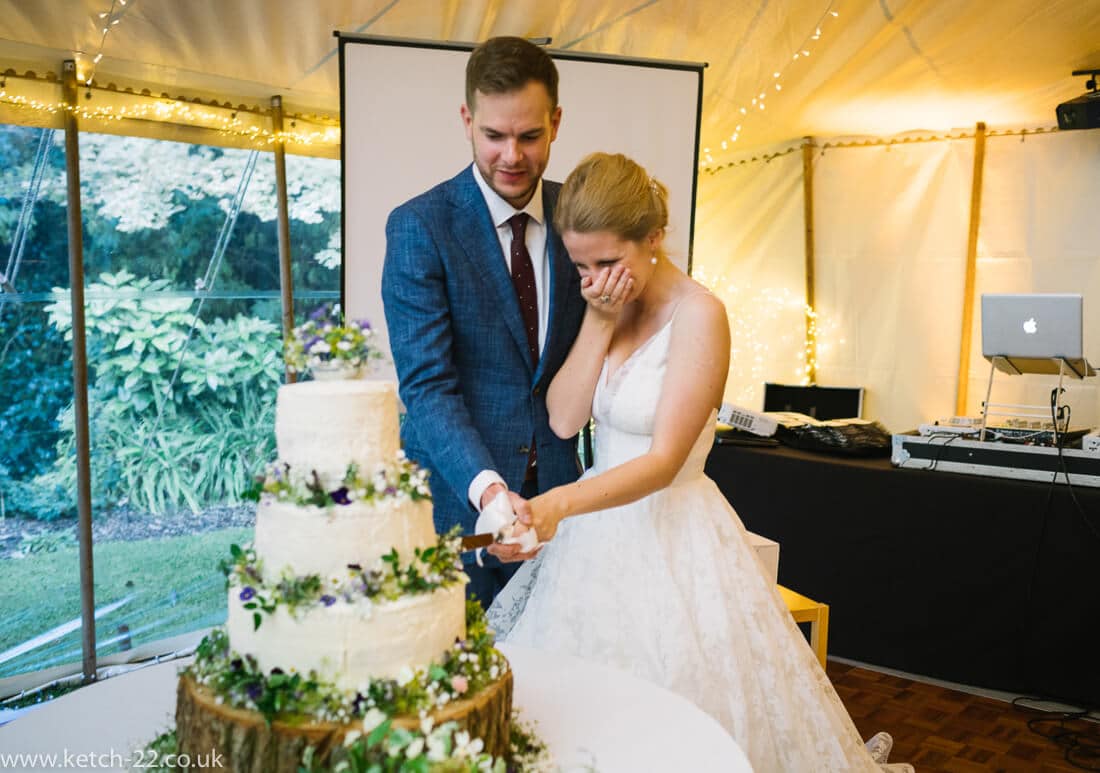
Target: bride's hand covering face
{"x":608,"y":289}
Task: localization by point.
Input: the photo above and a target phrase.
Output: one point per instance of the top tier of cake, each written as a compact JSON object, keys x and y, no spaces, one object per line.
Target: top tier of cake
{"x":326,"y":425}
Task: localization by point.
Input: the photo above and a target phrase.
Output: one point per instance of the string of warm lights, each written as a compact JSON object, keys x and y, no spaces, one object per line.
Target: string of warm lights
{"x":758,"y":103}
{"x":174,"y":111}
{"x":870,"y":142}
{"x":760,"y":321}
{"x":107,"y":20}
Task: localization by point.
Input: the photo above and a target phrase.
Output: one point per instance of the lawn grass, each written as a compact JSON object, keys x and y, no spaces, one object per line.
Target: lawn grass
{"x":174,"y":586}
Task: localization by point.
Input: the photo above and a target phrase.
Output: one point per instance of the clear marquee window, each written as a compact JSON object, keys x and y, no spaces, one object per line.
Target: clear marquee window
{"x":182,"y":309}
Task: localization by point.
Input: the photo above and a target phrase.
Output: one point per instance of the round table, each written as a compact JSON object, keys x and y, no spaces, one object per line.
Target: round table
{"x":590,"y":716}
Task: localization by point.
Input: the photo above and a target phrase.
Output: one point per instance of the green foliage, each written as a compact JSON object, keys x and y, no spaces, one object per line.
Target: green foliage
{"x":49,"y":542}
{"x":42,"y":500}
{"x":150,"y":209}
{"x":438,"y":566}
{"x":181,"y":411}
{"x":467,"y":668}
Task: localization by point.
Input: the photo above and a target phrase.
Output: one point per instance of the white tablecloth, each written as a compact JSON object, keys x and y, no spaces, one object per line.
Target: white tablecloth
{"x":589,"y":715}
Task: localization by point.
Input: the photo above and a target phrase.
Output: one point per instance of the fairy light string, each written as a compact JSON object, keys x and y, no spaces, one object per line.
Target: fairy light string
{"x":758,"y":101}
{"x":226,"y":121}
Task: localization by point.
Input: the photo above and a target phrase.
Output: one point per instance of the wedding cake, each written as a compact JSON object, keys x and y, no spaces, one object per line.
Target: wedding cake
{"x":347,"y":610}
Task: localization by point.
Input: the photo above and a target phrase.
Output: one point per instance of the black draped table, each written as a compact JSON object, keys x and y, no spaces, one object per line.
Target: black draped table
{"x":963,"y":578}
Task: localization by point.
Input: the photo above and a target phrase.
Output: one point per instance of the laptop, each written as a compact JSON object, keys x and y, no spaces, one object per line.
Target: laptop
{"x":1034,"y":333}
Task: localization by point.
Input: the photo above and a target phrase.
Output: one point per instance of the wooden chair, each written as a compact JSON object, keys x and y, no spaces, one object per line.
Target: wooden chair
{"x":805,"y":610}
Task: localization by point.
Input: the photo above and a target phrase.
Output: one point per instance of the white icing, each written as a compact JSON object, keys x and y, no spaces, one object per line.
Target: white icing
{"x":325,"y":425}
{"x":312,"y":540}
{"x":350,"y":644}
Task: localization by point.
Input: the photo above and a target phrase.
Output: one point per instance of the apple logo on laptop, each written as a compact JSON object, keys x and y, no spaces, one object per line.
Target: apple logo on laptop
{"x":1031,"y":326}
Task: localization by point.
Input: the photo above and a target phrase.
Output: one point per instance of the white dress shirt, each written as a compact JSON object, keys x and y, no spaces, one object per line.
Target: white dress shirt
{"x":501,"y":212}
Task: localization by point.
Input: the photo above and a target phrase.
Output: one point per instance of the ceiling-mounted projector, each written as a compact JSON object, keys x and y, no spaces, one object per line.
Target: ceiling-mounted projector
{"x":1083,"y":112}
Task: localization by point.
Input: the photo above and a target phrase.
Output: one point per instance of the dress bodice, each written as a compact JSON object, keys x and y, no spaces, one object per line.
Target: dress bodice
{"x":625,"y":408}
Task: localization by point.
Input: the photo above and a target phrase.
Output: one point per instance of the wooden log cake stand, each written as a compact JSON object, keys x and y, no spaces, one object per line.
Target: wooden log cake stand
{"x":249,"y":744}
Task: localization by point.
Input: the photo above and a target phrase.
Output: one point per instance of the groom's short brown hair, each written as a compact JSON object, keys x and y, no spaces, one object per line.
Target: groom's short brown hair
{"x":504,"y":64}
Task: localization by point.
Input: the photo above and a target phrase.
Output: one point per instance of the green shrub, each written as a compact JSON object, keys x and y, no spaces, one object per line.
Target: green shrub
{"x":181,"y":410}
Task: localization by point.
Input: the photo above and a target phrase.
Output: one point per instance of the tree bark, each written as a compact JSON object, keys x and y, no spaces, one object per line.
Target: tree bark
{"x":247,"y":743}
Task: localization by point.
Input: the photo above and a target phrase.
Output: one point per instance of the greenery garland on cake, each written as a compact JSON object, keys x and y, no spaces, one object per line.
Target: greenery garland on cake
{"x":469,"y":666}
{"x":429,"y":569}
{"x":401,"y":479}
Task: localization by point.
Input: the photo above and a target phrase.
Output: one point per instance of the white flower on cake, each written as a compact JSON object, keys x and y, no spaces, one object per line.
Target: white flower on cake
{"x":352,"y":737}
{"x":413,"y":750}
{"x":437,"y":748}
{"x":405,"y":675}
{"x":372,"y":719}
{"x":465,"y":746}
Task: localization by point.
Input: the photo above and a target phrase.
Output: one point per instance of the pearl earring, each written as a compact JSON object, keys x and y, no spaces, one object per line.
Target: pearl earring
{"x":653,"y":260}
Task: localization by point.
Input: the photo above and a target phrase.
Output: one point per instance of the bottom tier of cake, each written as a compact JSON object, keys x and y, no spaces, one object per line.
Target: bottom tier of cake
{"x":249,"y":743}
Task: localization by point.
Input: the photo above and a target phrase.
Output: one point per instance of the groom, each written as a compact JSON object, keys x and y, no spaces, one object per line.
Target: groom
{"x":482,"y":305}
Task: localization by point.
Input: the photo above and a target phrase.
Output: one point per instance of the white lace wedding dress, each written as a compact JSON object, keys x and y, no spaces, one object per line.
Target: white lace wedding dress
{"x":668,"y":588}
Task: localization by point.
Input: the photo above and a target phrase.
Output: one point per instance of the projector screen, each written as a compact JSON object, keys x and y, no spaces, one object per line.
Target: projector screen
{"x":403,"y":134}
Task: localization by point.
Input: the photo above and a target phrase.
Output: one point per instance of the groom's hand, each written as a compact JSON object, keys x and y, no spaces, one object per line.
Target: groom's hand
{"x":490,"y":493}
{"x":512,"y":553}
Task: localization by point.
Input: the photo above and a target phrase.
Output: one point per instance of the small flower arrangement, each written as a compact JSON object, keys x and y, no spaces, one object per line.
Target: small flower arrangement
{"x":329,"y":346}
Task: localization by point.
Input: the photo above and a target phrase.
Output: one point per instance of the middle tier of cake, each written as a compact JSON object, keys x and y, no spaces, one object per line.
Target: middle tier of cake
{"x":304,"y":539}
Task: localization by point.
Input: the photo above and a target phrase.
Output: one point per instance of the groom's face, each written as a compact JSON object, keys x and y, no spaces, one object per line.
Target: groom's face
{"x":511,"y":134}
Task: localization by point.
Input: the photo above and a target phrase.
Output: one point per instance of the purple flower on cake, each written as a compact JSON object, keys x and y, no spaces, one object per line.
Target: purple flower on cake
{"x":254,"y":691}
{"x":247,"y":593}
{"x":340,"y":496}
{"x":328,"y":600}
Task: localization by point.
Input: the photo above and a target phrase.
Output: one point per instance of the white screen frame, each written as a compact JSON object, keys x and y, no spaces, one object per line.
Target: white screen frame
{"x":400,"y":140}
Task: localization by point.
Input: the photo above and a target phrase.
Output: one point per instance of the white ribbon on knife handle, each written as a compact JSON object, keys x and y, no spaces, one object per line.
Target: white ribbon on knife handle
{"x":499,"y":519}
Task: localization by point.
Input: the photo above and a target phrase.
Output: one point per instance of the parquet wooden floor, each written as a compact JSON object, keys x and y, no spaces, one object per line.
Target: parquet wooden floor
{"x":939,"y":730}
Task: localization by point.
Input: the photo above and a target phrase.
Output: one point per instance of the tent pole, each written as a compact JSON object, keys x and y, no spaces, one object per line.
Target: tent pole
{"x":961,"y":396}
{"x":808,"y":148}
{"x":80,"y":373}
{"x":286,"y":280}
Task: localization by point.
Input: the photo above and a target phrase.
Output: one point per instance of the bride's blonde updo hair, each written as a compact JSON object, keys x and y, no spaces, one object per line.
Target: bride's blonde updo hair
{"x":610,"y":192}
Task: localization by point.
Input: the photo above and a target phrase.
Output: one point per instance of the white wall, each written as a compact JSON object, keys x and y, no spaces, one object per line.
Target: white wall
{"x":891,"y":225}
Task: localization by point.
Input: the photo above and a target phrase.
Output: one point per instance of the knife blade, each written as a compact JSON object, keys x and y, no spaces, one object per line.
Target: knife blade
{"x":475,"y":541}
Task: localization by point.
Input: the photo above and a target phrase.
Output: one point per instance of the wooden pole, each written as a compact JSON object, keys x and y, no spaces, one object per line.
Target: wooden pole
{"x":808,"y":148}
{"x":961,"y":394}
{"x":80,"y":373}
{"x":286,"y":280}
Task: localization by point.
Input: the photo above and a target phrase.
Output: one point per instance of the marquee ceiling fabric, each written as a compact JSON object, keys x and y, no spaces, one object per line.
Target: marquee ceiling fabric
{"x":877,"y":67}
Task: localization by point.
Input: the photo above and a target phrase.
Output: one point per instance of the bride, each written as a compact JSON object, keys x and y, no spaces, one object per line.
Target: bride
{"x":647,"y":567}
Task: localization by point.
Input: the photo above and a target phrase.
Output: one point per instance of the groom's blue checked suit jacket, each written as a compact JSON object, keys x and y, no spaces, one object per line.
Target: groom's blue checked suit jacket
{"x":473,"y":399}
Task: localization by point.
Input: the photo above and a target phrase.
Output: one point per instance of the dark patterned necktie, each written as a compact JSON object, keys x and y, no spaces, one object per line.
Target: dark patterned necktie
{"x":523,"y":279}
